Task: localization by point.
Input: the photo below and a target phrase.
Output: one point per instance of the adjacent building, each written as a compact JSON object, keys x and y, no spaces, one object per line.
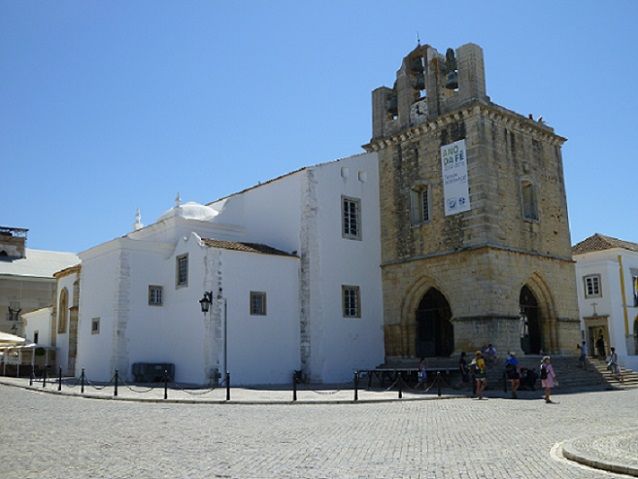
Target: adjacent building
{"x":607,"y":285}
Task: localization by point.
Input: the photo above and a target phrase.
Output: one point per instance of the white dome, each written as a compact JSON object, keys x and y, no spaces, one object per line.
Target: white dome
{"x":190,"y":211}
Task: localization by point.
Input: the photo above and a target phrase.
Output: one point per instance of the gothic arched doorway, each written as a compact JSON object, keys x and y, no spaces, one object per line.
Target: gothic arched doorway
{"x":531,"y":341}
{"x":434,"y":330}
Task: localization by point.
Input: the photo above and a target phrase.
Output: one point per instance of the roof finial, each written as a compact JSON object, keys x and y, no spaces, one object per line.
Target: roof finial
{"x":178,"y":200}
{"x":418,"y":39}
{"x":138,"y":221}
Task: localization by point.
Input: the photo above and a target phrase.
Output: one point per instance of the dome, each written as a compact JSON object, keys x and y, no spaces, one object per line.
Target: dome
{"x":190,"y":211}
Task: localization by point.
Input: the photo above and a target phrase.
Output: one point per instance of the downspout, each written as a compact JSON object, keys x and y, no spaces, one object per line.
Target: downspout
{"x":623,"y":294}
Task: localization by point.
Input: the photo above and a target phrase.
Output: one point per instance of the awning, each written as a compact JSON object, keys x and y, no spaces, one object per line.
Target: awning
{"x":6,"y":338}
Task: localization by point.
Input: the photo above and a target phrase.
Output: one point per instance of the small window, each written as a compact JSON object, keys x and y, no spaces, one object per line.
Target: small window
{"x":36,"y":336}
{"x":257,"y":303}
{"x":182,"y":270}
{"x":420,"y":205}
{"x":530,"y":207}
{"x":351,"y":218}
{"x":592,"y":286}
{"x":155,"y":294}
{"x":95,"y":326}
{"x":351,"y":301}
{"x":634,"y":284}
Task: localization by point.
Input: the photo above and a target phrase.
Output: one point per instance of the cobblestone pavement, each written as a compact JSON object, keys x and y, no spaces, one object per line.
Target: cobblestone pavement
{"x":50,"y":436}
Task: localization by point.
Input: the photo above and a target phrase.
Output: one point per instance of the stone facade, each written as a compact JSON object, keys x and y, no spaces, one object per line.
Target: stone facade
{"x":515,"y":235}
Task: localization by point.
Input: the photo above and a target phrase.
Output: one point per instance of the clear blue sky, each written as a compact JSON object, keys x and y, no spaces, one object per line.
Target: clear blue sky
{"x":110,"y":106}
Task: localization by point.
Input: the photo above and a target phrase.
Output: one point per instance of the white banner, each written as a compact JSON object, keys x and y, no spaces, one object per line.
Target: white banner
{"x":456,"y":196}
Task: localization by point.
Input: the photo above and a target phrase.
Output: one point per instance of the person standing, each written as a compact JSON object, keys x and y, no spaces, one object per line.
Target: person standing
{"x":612,"y":365}
{"x":513,"y":373}
{"x":548,"y":378}
{"x":480,"y":373}
{"x":600,"y":346}
{"x":582,"y":358}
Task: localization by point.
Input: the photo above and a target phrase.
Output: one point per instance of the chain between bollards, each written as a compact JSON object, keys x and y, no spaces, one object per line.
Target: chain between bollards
{"x":117,"y":376}
{"x":59,"y":379}
{"x":227,"y":386}
{"x":82,"y":381}
{"x":356,"y":385}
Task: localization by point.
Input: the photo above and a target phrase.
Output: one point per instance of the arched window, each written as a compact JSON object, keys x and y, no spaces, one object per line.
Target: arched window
{"x":63,"y":311}
{"x":530,"y":206}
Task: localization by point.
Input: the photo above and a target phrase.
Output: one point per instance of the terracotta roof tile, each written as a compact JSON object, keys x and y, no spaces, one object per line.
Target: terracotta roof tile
{"x":245,"y":247}
{"x":599,"y":242}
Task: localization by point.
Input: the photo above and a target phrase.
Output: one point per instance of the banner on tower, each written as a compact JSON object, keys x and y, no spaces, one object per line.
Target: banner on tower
{"x":456,"y":195}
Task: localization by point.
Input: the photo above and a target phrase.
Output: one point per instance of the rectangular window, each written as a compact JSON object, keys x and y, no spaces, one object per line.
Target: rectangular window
{"x":351,"y":301}
{"x":95,"y":326}
{"x":634,"y":283}
{"x":351,"y":218}
{"x":592,"y":286}
{"x":181,"y":270}
{"x":419,"y":205}
{"x":155,"y":294}
{"x":257,"y":303}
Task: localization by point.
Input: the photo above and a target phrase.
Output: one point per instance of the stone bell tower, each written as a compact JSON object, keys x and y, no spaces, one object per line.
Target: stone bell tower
{"x":474,"y":231}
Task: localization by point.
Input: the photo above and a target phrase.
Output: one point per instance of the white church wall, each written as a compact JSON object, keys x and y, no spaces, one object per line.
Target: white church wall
{"x":98,"y":300}
{"x":270,"y":213}
{"x":341,"y":345}
{"x":261,"y":349}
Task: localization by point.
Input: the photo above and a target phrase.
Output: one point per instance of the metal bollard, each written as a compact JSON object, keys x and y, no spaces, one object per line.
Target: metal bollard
{"x":438,"y":383}
{"x":44,"y":378}
{"x":294,"y":386}
{"x":399,"y":381}
{"x":59,"y":379}
{"x":356,"y":385}
{"x":117,"y":376}
{"x":82,"y":381}
{"x":165,"y":384}
{"x":227,"y":386}
{"x":31,"y":378}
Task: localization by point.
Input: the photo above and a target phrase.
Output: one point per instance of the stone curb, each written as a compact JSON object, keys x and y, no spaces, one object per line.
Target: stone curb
{"x":586,"y":452}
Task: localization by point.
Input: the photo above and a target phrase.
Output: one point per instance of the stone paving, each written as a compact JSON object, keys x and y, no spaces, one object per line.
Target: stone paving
{"x":55,"y":436}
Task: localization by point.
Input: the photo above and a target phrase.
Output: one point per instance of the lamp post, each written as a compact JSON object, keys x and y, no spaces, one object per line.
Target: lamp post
{"x":205,"y":304}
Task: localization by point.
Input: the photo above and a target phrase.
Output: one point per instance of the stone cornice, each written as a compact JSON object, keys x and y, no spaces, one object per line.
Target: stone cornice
{"x":476,"y":107}
{"x":487,"y":246}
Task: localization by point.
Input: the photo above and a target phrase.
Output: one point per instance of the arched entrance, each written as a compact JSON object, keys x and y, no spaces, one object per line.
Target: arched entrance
{"x":434,"y":330}
{"x":531,"y":341}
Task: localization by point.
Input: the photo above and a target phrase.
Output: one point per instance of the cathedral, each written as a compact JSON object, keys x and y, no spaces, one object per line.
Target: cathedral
{"x":449,"y":233}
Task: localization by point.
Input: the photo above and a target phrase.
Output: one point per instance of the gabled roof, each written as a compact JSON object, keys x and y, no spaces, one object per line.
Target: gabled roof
{"x":599,"y":242}
{"x":38,"y":263}
{"x":245,"y":247}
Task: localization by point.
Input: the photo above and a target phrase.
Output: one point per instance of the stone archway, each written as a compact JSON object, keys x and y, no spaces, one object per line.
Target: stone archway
{"x":536,"y":301}
{"x":434,"y":331}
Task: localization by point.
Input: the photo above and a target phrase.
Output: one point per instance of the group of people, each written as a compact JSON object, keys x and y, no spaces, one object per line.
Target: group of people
{"x":476,"y":370}
{"x":612,"y":359}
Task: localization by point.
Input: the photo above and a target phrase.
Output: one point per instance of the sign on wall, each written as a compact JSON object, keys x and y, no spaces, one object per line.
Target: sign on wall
{"x":456,"y":195}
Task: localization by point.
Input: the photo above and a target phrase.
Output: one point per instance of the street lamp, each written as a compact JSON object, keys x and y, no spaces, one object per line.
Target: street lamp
{"x":205,"y":304}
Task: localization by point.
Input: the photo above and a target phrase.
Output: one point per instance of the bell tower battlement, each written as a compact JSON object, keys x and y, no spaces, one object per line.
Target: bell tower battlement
{"x":427,"y":85}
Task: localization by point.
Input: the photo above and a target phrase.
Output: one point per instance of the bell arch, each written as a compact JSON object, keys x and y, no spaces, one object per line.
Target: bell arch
{"x":536,"y":305}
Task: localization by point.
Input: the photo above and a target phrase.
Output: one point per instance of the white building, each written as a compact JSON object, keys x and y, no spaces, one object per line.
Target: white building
{"x":26,"y":277}
{"x":292,"y":268}
{"x":607,"y":283}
